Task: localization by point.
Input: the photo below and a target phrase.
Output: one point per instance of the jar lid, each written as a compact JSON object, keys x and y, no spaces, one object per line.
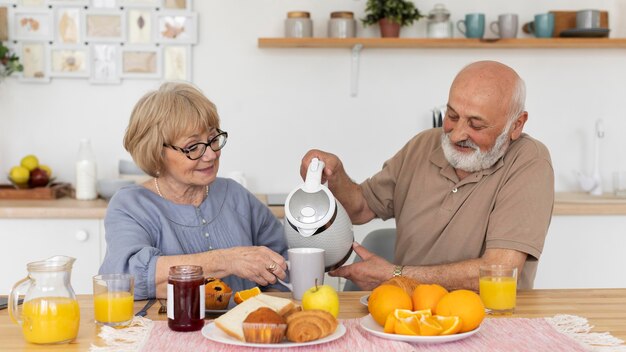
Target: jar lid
{"x":342,"y":14}
{"x":298,"y":14}
{"x":439,"y":13}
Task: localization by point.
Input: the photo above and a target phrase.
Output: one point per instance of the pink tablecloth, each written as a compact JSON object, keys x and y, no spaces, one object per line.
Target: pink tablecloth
{"x":504,"y":334}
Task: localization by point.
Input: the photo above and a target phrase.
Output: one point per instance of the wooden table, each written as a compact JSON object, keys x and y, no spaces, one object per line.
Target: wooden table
{"x":605,"y":309}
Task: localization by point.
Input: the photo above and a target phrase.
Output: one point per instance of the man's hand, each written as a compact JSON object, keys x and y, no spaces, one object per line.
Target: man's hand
{"x":367,"y":274}
{"x":333,"y":167}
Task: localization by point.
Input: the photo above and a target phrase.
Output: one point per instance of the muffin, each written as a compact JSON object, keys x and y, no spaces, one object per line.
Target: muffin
{"x":216,"y":294}
{"x":264,"y":325}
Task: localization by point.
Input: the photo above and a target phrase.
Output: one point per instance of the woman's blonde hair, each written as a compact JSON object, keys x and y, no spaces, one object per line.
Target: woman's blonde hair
{"x":163,"y":116}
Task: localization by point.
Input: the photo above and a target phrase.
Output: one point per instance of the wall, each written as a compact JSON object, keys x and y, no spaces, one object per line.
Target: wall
{"x":278,"y":103}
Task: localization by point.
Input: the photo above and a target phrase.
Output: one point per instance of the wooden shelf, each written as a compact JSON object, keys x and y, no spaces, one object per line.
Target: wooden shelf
{"x":455,"y":43}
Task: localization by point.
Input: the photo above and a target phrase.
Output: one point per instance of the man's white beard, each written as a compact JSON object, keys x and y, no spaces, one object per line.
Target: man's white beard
{"x":476,"y":160}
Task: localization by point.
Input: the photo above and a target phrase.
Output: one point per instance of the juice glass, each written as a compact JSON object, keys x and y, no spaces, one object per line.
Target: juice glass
{"x":498,"y":288}
{"x":113,"y":298}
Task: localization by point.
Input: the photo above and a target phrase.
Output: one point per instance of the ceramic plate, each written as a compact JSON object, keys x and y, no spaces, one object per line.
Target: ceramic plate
{"x":212,"y":332}
{"x":364,"y":300}
{"x":585,"y":32}
{"x":368,"y":323}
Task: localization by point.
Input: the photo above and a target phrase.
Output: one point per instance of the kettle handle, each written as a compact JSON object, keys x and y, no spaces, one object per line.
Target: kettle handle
{"x":313,"y":180}
{"x":13,"y":303}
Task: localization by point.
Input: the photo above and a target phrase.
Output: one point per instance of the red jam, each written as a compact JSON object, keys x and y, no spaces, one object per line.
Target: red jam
{"x":185,"y":298}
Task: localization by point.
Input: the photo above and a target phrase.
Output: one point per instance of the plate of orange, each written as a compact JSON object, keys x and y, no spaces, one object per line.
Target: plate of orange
{"x":370,"y":325}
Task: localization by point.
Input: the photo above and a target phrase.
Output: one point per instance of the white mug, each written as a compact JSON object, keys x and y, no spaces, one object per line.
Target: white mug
{"x":505,"y":26}
{"x":305,"y":266}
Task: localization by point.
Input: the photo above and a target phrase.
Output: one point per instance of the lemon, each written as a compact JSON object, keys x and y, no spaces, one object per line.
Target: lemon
{"x":30,"y":162}
{"x":19,"y":175}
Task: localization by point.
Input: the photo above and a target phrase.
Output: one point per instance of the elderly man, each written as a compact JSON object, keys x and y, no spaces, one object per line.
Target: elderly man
{"x":477,"y":191}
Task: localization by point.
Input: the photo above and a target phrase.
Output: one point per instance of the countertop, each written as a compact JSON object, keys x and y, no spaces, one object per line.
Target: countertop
{"x":566,"y":203}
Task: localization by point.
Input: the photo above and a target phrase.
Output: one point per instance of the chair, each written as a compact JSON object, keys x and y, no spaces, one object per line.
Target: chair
{"x":381,"y":242}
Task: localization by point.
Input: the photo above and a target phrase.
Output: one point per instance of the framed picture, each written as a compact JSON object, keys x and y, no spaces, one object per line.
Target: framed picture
{"x":104,"y":26}
{"x":106,"y":63}
{"x":4,"y":23}
{"x":176,"y":27}
{"x":7,"y":2}
{"x":68,"y":2}
{"x":140,"y":3}
{"x":141,"y":62}
{"x":67,"y":24}
{"x":30,"y":24}
{"x":103,"y":4}
{"x":33,"y":3}
{"x":139,"y":26}
{"x":177,"y":62}
{"x":177,"y":5}
{"x":34,"y":58}
{"x":69,"y":61}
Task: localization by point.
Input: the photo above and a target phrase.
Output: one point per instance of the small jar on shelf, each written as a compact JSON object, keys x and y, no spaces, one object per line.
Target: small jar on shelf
{"x":298,"y":25}
{"x":341,"y":25}
{"x":439,"y":24}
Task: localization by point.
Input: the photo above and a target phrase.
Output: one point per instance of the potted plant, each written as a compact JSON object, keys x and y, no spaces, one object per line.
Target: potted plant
{"x":9,"y":62}
{"x":390,"y":15}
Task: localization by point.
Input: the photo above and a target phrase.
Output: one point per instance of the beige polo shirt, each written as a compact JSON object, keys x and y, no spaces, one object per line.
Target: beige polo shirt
{"x":441,"y":220}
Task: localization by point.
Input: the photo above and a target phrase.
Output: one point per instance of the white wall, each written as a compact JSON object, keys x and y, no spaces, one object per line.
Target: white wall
{"x":277,"y":103}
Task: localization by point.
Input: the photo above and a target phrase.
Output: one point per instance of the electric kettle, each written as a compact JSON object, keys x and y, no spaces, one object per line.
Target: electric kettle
{"x":314,"y":219}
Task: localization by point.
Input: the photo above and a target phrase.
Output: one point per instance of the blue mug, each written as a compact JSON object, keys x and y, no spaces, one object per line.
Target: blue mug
{"x":474,"y":24}
{"x":543,"y":26}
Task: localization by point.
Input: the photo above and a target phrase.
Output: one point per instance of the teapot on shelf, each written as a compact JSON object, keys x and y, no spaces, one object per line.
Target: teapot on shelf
{"x":50,"y":313}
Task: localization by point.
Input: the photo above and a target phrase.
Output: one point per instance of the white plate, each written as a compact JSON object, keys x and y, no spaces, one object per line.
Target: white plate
{"x":212,"y":332}
{"x":368,"y":323}
{"x":364,"y":300}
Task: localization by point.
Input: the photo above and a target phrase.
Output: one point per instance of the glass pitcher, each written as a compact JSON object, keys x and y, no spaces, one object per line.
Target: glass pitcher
{"x":439,"y":24}
{"x":50,"y":312}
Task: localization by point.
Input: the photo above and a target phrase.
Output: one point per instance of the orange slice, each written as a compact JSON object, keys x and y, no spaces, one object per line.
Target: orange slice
{"x":408,"y":326}
{"x":451,"y":325}
{"x":390,"y":324}
{"x":429,"y":326}
{"x":406,"y":313}
{"x":241,"y":296}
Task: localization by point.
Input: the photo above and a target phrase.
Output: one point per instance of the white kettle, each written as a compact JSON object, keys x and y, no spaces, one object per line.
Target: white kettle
{"x":314,"y":219}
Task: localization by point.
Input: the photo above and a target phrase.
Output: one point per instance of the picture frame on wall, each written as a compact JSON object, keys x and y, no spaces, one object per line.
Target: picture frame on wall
{"x":103,"y":4}
{"x":140,"y":3}
{"x":67,"y":24}
{"x":177,"y":63}
{"x":139,"y":26}
{"x":176,"y":27}
{"x":141,"y":62}
{"x":104,"y":26}
{"x":30,"y":24}
{"x":55,"y":3}
{"x":69,"y":61}
{"x":177,"y":5}
{"x":106,"y":63}
{"x":34,"y":58}
{"x":32,"y":3}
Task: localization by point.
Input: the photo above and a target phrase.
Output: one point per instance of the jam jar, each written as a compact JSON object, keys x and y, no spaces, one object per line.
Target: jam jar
{"x":341,"y":25}
{"x":298,"y":25}
{"x":185,"y":298}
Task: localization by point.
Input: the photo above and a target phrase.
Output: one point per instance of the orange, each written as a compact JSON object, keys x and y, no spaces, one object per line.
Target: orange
{"x":406,"y":313}
{"x":385,"y":299}
{"x":241,"y":296}
{"x":427,"y":296}
{"x":408,"y":326}
{"x":450,"y":325}
{"x":465,"y":305}
{"x":429,"y":326}
{"x":390,"y":324}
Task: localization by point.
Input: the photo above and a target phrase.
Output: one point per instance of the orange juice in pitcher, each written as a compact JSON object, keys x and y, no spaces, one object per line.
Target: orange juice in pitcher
{"x":50,"y":313}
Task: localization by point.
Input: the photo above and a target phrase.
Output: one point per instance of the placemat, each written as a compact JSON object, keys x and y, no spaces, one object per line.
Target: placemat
{"x":559,"y":333}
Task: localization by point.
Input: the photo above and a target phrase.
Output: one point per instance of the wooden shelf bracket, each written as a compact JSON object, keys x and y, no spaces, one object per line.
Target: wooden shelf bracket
{"x":354,"y":76}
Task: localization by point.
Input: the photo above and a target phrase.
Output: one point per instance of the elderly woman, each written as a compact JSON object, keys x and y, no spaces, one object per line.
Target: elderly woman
{"x":185,"y":214}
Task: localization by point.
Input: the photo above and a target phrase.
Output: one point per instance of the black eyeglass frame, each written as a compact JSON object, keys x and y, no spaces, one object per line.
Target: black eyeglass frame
{"x":209,"y":143}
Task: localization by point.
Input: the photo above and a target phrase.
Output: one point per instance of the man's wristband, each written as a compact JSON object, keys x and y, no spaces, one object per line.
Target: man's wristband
{"x":397,"y":270}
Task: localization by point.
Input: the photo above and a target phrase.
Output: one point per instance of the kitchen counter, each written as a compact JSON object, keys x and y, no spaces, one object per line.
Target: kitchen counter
{"x":566,"y":203}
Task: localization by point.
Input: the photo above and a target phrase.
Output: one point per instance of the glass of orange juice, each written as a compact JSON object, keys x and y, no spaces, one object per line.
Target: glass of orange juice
{"x":498,"y":288}
{"x":113,"y":298}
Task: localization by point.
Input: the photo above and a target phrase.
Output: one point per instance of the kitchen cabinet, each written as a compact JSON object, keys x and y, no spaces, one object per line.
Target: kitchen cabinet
{"x":28,"y":240}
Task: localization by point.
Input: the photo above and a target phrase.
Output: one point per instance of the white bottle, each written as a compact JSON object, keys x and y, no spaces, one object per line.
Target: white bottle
{"x":86,"y":175}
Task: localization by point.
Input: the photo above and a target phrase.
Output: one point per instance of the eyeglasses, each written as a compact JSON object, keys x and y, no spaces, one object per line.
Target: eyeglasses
{"x":197,"y":150}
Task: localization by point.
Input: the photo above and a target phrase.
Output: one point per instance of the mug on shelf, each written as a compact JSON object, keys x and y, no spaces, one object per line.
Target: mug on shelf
{"x":505,"y":26}
{"x":474,"y":24}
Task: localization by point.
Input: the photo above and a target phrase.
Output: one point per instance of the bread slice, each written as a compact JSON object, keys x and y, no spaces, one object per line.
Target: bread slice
{"x":232,"y":322}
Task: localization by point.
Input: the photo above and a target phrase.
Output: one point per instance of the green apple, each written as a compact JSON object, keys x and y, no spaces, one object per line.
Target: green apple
{"x":321,"y":297}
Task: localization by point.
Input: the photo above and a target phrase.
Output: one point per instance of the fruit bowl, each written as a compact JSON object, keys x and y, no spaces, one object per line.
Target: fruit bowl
{"x":27,"y":186}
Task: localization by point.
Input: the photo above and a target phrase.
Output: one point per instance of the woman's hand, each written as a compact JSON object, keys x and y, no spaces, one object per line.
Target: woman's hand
{"x":259,"y":264}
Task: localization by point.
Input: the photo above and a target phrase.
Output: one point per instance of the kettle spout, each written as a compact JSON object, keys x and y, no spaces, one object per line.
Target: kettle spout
{"x":306,"y":232}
